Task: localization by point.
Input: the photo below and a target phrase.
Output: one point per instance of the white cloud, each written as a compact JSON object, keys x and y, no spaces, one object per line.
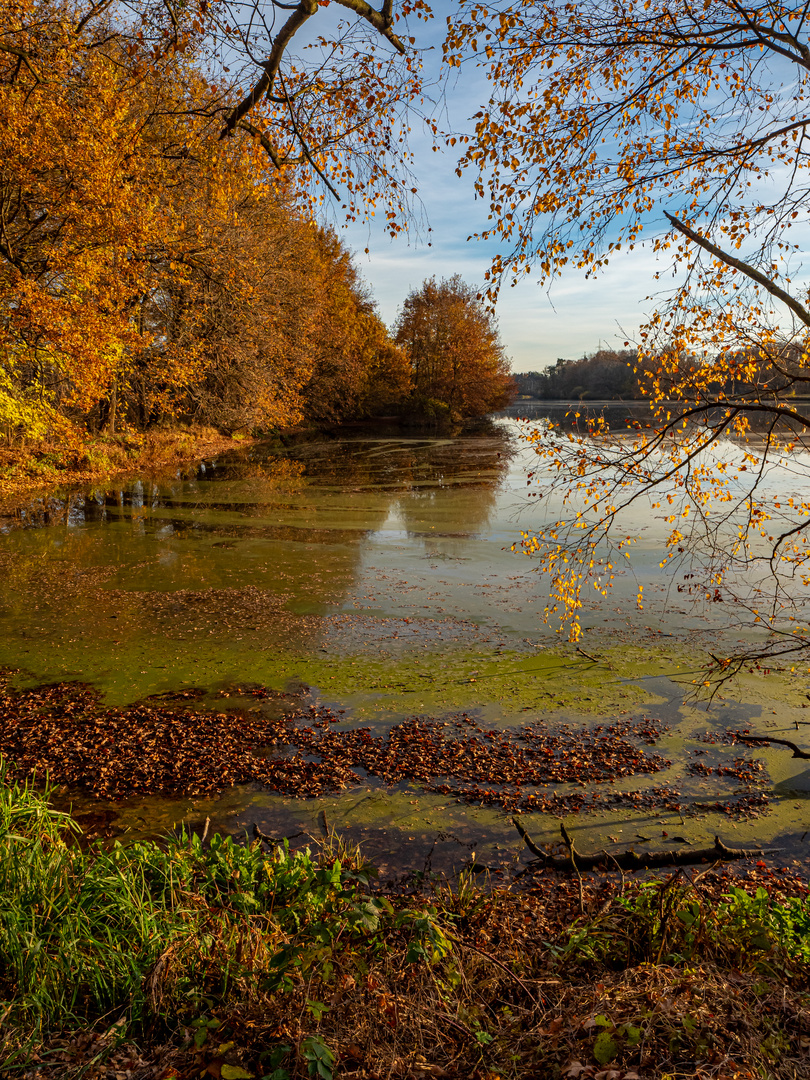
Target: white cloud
{"x":537,"y":324}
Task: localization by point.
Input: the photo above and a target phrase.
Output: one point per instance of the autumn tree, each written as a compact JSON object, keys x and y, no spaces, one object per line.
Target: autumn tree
{"x":111,"y":185}
{"x":452,"y":341}
{"x":74,"y":205}
{"x":357,"y":369}
{"x":686,"y":121}
{"x":150,"y":269}
{"x":237,"y":293}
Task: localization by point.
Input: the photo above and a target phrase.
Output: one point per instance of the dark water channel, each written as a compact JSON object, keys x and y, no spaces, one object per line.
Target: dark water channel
{"x":373,"y":573}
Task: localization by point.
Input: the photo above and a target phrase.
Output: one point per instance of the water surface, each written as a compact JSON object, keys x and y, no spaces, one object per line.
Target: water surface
{"x":375,"y":574}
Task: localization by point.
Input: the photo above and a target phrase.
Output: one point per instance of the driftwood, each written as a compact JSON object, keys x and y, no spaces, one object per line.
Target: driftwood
{"x":797,"y":751}
{"x":275,"y":840}
{"x":633,"y":860}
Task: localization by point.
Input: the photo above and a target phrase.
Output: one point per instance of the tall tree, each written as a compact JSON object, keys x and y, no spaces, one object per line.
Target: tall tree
{"x":452,"y":340}
{"x":78,"y":209}
{"x":610,"y":118}
{"x":148,"y":268}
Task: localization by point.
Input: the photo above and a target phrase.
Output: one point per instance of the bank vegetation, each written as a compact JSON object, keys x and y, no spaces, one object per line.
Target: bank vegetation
{"x":202,"y":956}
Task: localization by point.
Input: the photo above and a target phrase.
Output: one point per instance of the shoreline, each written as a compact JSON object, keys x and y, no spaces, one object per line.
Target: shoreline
{"x":196,"y":956}
{"x":48,"y":471}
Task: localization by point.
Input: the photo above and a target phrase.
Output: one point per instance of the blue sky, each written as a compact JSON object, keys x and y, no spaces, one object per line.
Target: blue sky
{"x":537,"y":323}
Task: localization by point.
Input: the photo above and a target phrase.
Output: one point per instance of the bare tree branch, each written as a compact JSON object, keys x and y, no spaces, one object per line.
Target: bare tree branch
{"x":744,"y":268}
{"x":13,"y":50}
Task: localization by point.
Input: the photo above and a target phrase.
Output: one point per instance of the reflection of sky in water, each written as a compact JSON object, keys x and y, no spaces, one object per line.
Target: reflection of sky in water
{"x":746,"y":475}
{"x":450,"y":550}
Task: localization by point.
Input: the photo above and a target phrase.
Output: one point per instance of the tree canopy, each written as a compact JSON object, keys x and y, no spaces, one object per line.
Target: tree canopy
{"x":149,"y":269}
{"x":457,"y":361}
{"x":612,"y":120}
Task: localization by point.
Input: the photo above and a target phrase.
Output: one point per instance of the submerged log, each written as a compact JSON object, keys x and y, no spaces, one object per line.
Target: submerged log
{"x":633,"y":860}
{"x":275,"y":841}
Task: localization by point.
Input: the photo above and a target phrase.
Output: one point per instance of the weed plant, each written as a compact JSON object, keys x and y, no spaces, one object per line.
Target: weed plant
{"x":224,"y":959}
{"x":167,"y":932}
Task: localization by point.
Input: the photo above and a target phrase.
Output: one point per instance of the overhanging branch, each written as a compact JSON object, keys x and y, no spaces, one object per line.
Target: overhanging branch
{"x":382,"y":21}
{"x":744,"y":268}
{"x":304,"y":11}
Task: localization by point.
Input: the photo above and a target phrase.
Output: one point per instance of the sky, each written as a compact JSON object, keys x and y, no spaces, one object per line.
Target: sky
{"x":538,"y":324}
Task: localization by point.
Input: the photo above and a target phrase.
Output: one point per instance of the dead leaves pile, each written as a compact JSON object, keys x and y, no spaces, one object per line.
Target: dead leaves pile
{"x":66,"y":732}
{"x":746,"y":770}
{"x":167,"y":746}
{"x":460,"y":747}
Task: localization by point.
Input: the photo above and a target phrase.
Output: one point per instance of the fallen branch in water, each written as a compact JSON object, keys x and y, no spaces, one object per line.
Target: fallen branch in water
{"x":593,"y":659}
{"x":632,"y":860}
{"x":797,"y":751}
{"x":274,"y":840}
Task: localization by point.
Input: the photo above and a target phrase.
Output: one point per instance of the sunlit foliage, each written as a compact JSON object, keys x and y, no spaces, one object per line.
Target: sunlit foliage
{"x":609,"y":121}
{"x":148,"y":268}
{"x":457,"y":360}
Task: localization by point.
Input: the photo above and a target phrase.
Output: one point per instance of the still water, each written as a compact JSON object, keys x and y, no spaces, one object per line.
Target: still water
{"x":374,"y":573}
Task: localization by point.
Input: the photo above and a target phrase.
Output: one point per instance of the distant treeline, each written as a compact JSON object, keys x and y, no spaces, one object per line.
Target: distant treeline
{"x":624,"y":376}
{"x":605,"y":375}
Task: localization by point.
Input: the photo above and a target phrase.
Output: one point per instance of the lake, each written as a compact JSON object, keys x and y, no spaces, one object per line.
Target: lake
{"x":361,"y":589}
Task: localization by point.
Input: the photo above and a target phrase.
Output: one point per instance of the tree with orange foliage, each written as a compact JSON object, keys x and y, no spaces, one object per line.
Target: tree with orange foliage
{"x":147,"y":267}
{"x":75,"y":203}
{"x":104,"y":158}
{"x":357,"y":369}
{"x":457,"y":360}
{"x":608,"y":120}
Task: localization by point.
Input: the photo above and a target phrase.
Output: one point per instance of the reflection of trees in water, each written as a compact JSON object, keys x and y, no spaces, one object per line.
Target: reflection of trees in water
{"x":459,"y":511}
{"x":237,"y":549}
{"x":459,"y":496}
{"x":179,"y":561}
{"x":404,"y":462}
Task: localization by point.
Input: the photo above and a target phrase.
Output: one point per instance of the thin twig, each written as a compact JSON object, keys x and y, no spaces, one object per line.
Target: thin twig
{"x":499,"y":964}
{"x":588,"y":656}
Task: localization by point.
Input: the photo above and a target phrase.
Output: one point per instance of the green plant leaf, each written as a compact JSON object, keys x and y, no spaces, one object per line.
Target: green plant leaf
{"x":235,"y":1072}
{"x":605,"y":1048}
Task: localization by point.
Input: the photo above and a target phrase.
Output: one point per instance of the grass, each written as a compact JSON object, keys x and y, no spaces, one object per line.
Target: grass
{"x":190,"y":958}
